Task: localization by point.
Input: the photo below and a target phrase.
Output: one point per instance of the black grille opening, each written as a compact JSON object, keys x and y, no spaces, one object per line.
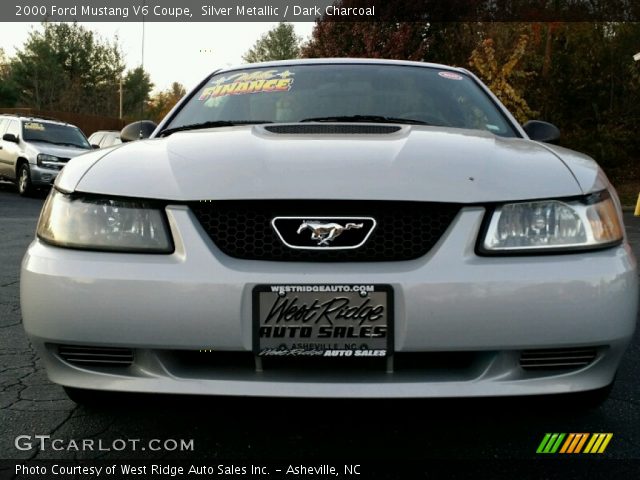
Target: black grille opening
{"x":557,"y":358}
{"x":404,"y":231}
{"x":429,"y":361}
{"x":332,"y":129}
{"x":424,"y":362}
{"x":96,"y":356}
{"x":333,"y":365}
{"x":207,"y":359}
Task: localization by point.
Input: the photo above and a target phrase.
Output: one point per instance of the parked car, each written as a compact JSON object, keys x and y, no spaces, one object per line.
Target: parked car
{"x":105,"y":138}
{"x":33,"y":150}
{"x":333,"y":228}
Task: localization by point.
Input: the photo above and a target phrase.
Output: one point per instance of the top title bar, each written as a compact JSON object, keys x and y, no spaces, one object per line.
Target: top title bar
{"x":312,"y":10}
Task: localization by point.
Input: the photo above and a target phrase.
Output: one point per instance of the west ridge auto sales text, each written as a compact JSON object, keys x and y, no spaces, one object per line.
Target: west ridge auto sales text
{"x":174,"y":471}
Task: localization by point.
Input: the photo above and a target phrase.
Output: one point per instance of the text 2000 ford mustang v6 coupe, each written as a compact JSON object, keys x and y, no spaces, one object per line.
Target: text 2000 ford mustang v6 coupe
{"x":333,"y":228}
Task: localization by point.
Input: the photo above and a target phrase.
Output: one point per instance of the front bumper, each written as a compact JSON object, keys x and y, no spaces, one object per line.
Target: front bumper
{"x":43,"y":176}
{"x":447,"y":301}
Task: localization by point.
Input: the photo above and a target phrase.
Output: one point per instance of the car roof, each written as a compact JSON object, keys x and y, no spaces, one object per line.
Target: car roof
{"x":341,"y":61}
{"x":36,"y":118}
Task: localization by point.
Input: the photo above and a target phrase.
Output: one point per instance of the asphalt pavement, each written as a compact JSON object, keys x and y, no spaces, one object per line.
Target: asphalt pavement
{"x":264,"y":429}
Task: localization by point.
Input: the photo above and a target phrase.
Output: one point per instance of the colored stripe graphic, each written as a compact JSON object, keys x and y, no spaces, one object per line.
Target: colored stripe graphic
{"x":574,"y":443}
{"x":583,"y":439}
{"x":567,"y":443}
{"x":543,"y":443}
{"x":598,"y":443}
{"x":550,"y":443}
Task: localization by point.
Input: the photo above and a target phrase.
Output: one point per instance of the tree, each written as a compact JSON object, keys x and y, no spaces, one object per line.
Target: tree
{"x":279,"y":43}
{"x":162,"y":102}
{"x":390,"y":36}
{"x":67,"y":67}
{"x":136,"y":88}
{"x":500,"y":76}
{"x":8,"y":89}
{"x":396,"y":40}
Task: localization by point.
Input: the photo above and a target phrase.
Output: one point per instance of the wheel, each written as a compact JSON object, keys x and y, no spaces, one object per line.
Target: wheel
{"x":25,"y":187}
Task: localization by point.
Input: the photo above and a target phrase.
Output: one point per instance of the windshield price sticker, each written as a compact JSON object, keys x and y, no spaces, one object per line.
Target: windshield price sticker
{"x":323,"y":320}
{"x":253,"y":82}
{"x":450,"y":75}
{"x":34,"y":126}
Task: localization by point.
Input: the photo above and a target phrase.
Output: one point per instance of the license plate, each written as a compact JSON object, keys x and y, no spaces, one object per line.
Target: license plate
{"x":323,"y":320}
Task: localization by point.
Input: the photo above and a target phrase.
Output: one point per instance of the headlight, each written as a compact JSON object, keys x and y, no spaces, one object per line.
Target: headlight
{"x":553,"y":225}
{"x":47,"y":161}
{"x":104,"y":224}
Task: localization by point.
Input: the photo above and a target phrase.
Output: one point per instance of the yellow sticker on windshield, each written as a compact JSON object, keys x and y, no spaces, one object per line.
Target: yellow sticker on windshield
{"x":34,"y":126}
{"x":264,"y":81}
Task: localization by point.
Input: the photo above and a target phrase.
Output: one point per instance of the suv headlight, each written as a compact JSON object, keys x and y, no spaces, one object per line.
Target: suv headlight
{"x":104,"y":224}
{"x":552,"y":225}
{"x":47,"y":161}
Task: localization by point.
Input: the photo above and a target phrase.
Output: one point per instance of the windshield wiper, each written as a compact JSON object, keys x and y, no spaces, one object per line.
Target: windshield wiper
{"x":66,"y":144}
{"x":212,"y":124}
{"x":366,"y":119}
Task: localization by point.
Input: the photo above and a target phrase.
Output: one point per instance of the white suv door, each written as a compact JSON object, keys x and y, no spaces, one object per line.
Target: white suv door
{"x":4,"y":162}
{"x":9,"y":151}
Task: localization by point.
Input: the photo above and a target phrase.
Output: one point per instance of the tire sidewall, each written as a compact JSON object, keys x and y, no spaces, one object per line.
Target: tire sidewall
{"x":28,"y":189}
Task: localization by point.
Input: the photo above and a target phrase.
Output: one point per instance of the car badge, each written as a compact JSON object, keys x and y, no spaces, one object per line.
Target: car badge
{"x":315,"y":233}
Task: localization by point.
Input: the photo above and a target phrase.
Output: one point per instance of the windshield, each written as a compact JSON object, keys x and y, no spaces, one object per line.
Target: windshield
{"x":67,"y":135}
{"x":336,"y":92}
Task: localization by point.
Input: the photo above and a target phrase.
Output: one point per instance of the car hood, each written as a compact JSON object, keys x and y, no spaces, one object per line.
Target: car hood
{"x":61,"y":151}
{"x":415,"y":163}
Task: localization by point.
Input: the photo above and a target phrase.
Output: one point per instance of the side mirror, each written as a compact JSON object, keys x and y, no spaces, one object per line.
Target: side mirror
{"x":10,"y":137}
{"x":541,"y":131}
{"x":137,"y":130}
{"x":94,"y":146}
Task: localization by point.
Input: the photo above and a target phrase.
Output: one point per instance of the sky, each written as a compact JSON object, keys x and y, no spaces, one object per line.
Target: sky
{"x":173,"y":52}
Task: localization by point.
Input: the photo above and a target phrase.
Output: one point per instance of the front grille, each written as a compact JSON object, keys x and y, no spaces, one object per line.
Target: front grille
{"x":332,"y":129}
{"x":557,"y":358}
{"x":96,"y":356}
{"x":404,"y":231}
{"x":196,"y":362}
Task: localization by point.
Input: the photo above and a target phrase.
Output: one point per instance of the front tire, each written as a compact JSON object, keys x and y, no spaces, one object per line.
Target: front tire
{"x":25,"y":186}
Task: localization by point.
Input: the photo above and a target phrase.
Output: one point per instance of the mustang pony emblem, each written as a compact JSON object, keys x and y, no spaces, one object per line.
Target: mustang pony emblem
{"x":326,"y":232}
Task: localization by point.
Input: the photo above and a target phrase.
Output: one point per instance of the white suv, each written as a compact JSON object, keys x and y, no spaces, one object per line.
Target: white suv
{"x":33,"y":150}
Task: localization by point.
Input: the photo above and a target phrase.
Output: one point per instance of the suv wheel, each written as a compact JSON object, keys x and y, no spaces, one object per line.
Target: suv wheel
{"x":25,"y":187}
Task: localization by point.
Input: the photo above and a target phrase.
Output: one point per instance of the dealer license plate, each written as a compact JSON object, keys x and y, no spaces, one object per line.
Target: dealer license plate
{"x":323,"y":320}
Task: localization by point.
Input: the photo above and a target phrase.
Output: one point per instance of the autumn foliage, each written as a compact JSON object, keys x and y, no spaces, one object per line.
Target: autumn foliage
{"x":498,"y":75}
{"x":408,"y":41}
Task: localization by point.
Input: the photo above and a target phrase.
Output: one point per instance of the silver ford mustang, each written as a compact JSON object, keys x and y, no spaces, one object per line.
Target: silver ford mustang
{"x":333,"y":228}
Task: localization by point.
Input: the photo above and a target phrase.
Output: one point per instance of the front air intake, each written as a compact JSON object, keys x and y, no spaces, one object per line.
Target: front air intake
{"x":557,"y":358}
{"x":96,"y":356}
{"x":331,"y":129}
